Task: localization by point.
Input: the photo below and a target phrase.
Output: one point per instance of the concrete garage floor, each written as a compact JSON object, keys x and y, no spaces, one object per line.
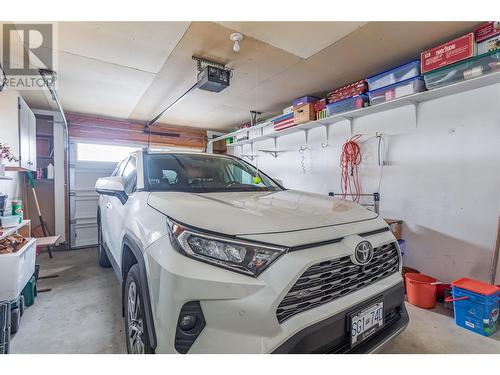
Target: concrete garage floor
{"x":81,"y":314}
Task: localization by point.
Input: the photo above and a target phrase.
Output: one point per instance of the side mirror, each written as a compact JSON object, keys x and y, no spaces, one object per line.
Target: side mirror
{"x":113,"y":186}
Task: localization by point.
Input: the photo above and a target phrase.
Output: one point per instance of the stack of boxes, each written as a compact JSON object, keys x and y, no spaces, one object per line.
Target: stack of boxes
{"x":320,"y":109}
{"x":284,"y":121}
{"x":469,"y":56}
{"x":347,"y":98}
{"x":303,"y":109}
{"x":395,"y":83}
{"x":487,"y":37}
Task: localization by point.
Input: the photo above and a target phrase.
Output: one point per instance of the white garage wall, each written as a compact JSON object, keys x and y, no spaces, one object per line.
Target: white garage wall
{"x":442,"y":177}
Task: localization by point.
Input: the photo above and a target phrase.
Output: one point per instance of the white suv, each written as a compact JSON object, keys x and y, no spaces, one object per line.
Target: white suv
{"x":216,"y":257}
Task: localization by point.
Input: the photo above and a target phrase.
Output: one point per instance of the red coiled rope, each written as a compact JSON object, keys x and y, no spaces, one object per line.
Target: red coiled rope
{"x":349,"y":161}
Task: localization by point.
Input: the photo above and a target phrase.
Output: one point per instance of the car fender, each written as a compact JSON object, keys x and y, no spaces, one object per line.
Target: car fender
{"x":139,"y":256}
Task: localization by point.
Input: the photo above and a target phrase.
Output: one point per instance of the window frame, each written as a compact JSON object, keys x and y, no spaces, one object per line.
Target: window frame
{"x":134,"y":185}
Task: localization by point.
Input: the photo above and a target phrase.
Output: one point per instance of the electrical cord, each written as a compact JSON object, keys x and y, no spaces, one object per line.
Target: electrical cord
{"x":349,"y":160}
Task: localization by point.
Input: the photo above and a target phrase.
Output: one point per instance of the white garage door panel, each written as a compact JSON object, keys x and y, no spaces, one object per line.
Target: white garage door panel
{"x":84,"y":199}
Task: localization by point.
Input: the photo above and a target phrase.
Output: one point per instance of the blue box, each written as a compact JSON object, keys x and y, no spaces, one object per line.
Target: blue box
{"x":476,"y":312}
{"x":304,"y":100}
{"x":349,"y":104}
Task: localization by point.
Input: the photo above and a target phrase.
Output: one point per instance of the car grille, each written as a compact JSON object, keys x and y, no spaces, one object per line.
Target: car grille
{"x":332,"y":279}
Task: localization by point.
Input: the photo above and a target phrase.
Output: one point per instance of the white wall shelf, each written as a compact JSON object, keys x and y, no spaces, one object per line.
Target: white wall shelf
{"x":5,"y":178}
{"x":414,"y":99}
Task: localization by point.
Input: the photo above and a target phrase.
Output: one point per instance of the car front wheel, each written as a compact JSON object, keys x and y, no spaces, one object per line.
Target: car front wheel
{"x":135,"y":322}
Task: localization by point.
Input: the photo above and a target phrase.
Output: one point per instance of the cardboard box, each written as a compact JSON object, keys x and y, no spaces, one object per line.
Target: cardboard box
{"x":304,"y":113}
{"x":448,"y":53}
{"x":396,"y":227}
{"x":220,"y":147}
{"x":487,"y":30}
{"x":488,"y":45}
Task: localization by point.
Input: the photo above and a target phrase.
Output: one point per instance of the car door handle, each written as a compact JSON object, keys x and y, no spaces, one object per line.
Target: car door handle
{"x":108,"y":206}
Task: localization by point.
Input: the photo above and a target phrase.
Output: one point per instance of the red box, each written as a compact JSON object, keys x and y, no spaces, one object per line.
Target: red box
{"x":487,"y":30}
{"x":347,"y":91}
{"x":319,"y":105}
{"x":448,"y":53}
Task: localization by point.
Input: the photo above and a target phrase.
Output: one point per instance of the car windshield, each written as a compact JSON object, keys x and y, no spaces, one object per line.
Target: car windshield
{"x":204,"y":173}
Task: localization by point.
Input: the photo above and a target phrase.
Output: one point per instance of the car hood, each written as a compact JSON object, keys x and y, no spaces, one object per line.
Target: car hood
{"x":243,"y":213}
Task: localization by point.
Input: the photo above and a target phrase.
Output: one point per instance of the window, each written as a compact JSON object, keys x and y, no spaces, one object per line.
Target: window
{"x":130,"y":175}
{"x":106,"y":153}
{"x":204,"y":173}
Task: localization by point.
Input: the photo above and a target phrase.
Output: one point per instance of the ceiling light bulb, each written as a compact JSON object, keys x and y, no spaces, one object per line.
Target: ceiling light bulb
{"x":236,"y":38}
{"x":236,"y":47}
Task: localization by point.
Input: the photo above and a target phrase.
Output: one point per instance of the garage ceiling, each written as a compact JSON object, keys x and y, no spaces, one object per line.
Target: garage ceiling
{"x":132,"y":70}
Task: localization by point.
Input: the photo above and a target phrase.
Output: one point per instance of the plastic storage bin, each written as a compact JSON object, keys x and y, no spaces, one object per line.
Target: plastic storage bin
{"x":30,"y":292}
{"x":268,"y":129}
{"x":10,"y":221}
{"x":467,"y":69}
{"x":475,"y":305}
{"x":254,"y":133}
{"x":16,"y":269}
{"x":304,"y":100}
{"x":4,"y":327}
{"x":398,"y":90}
{"x":349,"y":104}
{"x":394,"y":75}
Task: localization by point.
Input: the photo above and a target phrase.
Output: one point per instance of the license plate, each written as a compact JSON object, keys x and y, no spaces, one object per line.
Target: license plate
{"x":366,"y":322}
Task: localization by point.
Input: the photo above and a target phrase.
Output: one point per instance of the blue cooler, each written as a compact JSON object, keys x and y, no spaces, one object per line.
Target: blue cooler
{"x":476,"y":305}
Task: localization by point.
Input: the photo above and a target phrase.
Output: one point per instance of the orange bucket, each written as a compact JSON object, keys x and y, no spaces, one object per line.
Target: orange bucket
{"x":420,"y":290}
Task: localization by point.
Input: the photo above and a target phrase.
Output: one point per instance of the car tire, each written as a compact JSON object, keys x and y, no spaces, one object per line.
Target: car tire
{"x":15,"y":320}
{"x":135,"y":319}
{"x":102,"y":256}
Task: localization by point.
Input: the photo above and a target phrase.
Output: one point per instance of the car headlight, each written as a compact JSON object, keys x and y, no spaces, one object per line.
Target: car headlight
{"x":239,"y":256}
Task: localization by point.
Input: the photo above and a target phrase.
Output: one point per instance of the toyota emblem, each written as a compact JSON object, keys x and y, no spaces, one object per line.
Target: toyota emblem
{"x":363,"y":252}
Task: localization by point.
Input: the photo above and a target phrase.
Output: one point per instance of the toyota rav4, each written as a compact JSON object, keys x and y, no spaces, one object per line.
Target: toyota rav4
{"x":214,"y":256}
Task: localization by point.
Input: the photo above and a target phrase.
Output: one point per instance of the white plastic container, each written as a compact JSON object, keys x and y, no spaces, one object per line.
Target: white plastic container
{"x":394,"y":75}
{"x":268,"y":129}
{"x":16,"y":270}
{"x":243,"y":136}
{"x":10,"y":221}
{"x":254,"y":133}
{"x":398,"y":90}
{"x":50,"y":171}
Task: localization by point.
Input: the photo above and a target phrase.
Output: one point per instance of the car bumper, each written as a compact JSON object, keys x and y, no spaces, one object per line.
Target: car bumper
{"x":332,"y":334}
{"x":240,"y":311}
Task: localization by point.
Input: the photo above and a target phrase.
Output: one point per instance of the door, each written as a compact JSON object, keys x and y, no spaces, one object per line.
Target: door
{"x":83,"y":198}
{"x":88,"y":162}
{"x":116,"y":210}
